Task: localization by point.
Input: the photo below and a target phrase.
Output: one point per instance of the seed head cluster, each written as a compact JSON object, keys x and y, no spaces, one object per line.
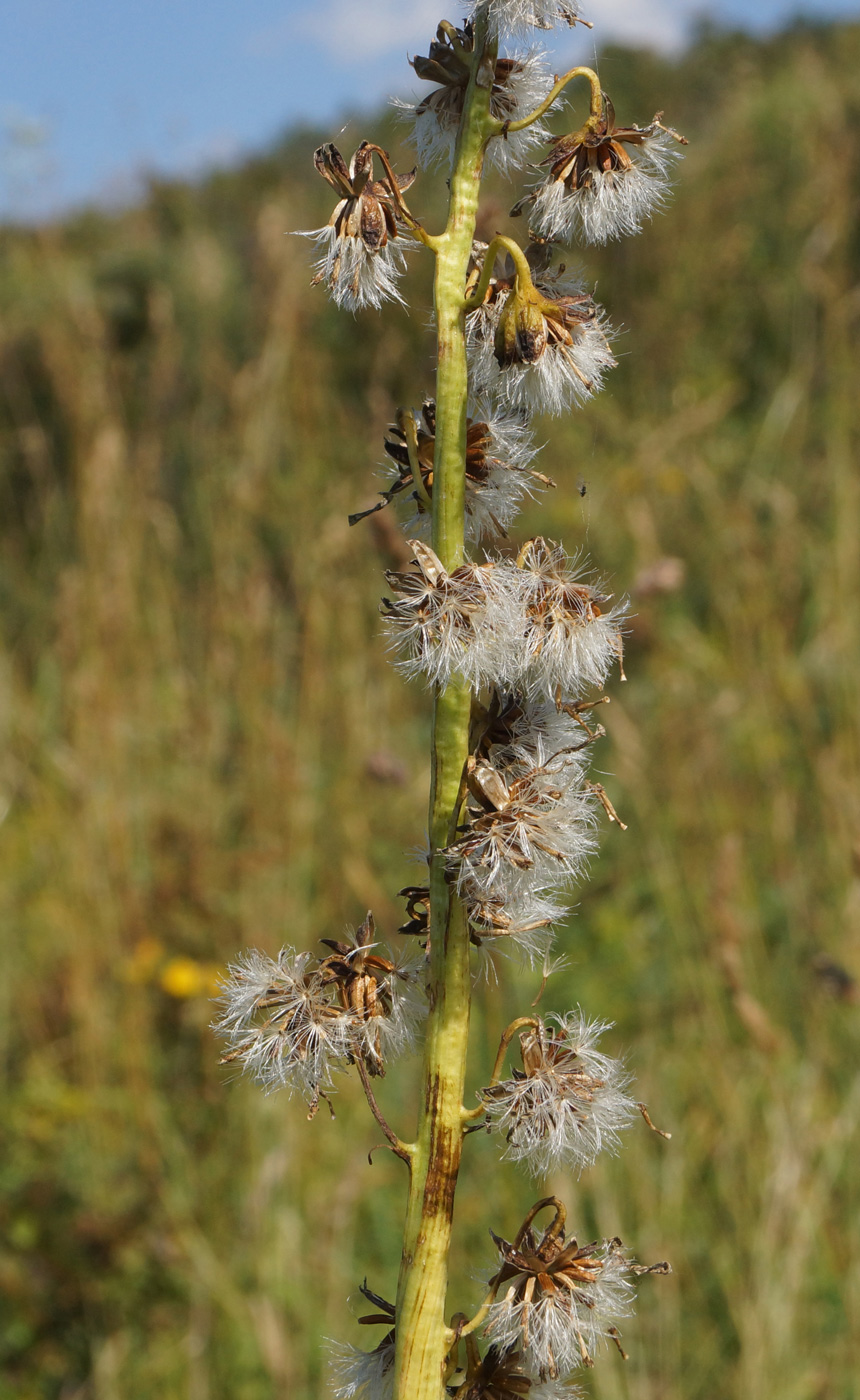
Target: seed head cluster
{"x":531,"y":633}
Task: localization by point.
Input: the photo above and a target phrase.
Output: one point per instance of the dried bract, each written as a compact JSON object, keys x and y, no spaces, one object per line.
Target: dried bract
{"x":499,"y":453}
{"x":603,"y":180}
{"x":518,"y":85}
{"x":567,"y":1103}
{"x":560,"y":1299}
{"x":501,"y":1375}
{"x":366,"y":1375}
{"x":361,"y":260}
{"x":380,"y":995}
{"x":445,"y":624}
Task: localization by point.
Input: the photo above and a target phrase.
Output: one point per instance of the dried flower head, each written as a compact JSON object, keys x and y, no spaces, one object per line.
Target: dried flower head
{"x":603,"y":180}
{"x":445,"y":624}
{"x":366,"y":1375}
{"x":501,"y":1375}
{"x":499,"y":453}
{"x":379,"y":994}
{"x":515,"y":16}
{"x":571,"y":637}
{"x":560,"y":1298}
{"x":361,"y":260}
{"x":294,"y":1021}
{"x":539,"y":347}
{"x":530,"y":825}
{"x":567,"y":1103}
{"x":518,"y":84}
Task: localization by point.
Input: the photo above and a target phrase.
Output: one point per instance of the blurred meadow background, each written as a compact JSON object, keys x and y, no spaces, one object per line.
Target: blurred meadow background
{"x":204,"y":748}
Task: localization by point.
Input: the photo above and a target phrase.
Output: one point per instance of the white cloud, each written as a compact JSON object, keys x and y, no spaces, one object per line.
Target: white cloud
{"x":349,"y":31}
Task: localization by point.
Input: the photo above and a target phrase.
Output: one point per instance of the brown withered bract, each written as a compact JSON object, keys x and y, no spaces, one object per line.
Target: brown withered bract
{"x":361,"y":977}
{"x":478,"y":442}
{"x":449,"y":64}
{"x":533,"y":319}
{"x":598,"y":147}
{"x":499,"y":1375}
{"x":368,"y":209}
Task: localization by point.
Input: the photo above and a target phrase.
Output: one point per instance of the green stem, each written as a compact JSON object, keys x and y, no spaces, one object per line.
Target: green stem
{"x":423,"y":1339}
{"x":503,"y":128}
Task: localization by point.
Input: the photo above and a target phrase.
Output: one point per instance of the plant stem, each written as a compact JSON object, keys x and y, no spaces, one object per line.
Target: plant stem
{"x":423,"y":1339}
{"x":555,"y":91}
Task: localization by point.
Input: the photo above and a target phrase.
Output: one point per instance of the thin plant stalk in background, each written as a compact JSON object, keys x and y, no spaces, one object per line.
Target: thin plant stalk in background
{"x":516,"y":643}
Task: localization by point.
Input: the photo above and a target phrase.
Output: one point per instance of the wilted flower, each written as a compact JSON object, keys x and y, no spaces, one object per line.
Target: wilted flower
{"x":366,"y":1375}
{"x":444,"y":624}
{"x":603,"y":180}
{"x":567,"y":1103}
{"x":381,"y":995}
{"x":560,"y":1298}
{"x":294,"y":1021}
{"x":540,"y":346}
{"x":522,"y":922}
{"x":530,"y":825}
{"x":499,"y":453}
{"x":513,"y":16}
{"x":519,"y":84}
{"x":571,"y":637}
{"x":361,"y":261}
{"x":501,"y":1375}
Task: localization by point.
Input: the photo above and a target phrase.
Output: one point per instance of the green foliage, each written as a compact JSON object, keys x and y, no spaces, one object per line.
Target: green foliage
{"x":205,"y":748}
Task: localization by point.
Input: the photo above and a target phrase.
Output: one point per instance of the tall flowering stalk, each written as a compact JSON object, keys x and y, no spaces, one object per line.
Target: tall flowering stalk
{"x":516,"y":645}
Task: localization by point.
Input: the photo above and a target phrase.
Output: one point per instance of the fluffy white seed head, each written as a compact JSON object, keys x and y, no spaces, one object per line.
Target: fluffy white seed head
{"x":531,"y":826}
{"x":435,"y":119}
{"x":354,"y":276}
{"x":281,"y":1023}
{"x":558,"y":1327}
{"x":568,"y":370}
{"x":569,"y":1101}
{"x":518,"y":16}
{"x":293,"y":1021}
{"x":362,"y":1375}
{"x":445,"y":624}
{"x":615,"y":203}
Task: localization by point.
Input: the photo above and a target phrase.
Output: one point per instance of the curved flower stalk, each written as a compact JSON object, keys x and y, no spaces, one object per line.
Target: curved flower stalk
{"x":518,"y":83}
{"x":567,"y":1103}
{"x":293,"y":1021}
{"x":539,"y":344}
{"x":499,"y":454}
{"x":361,"y":262}
{"x":604,"y":181}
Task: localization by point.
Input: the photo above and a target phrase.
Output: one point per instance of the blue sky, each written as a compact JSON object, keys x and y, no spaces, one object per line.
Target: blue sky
{"x":94,"y":93}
